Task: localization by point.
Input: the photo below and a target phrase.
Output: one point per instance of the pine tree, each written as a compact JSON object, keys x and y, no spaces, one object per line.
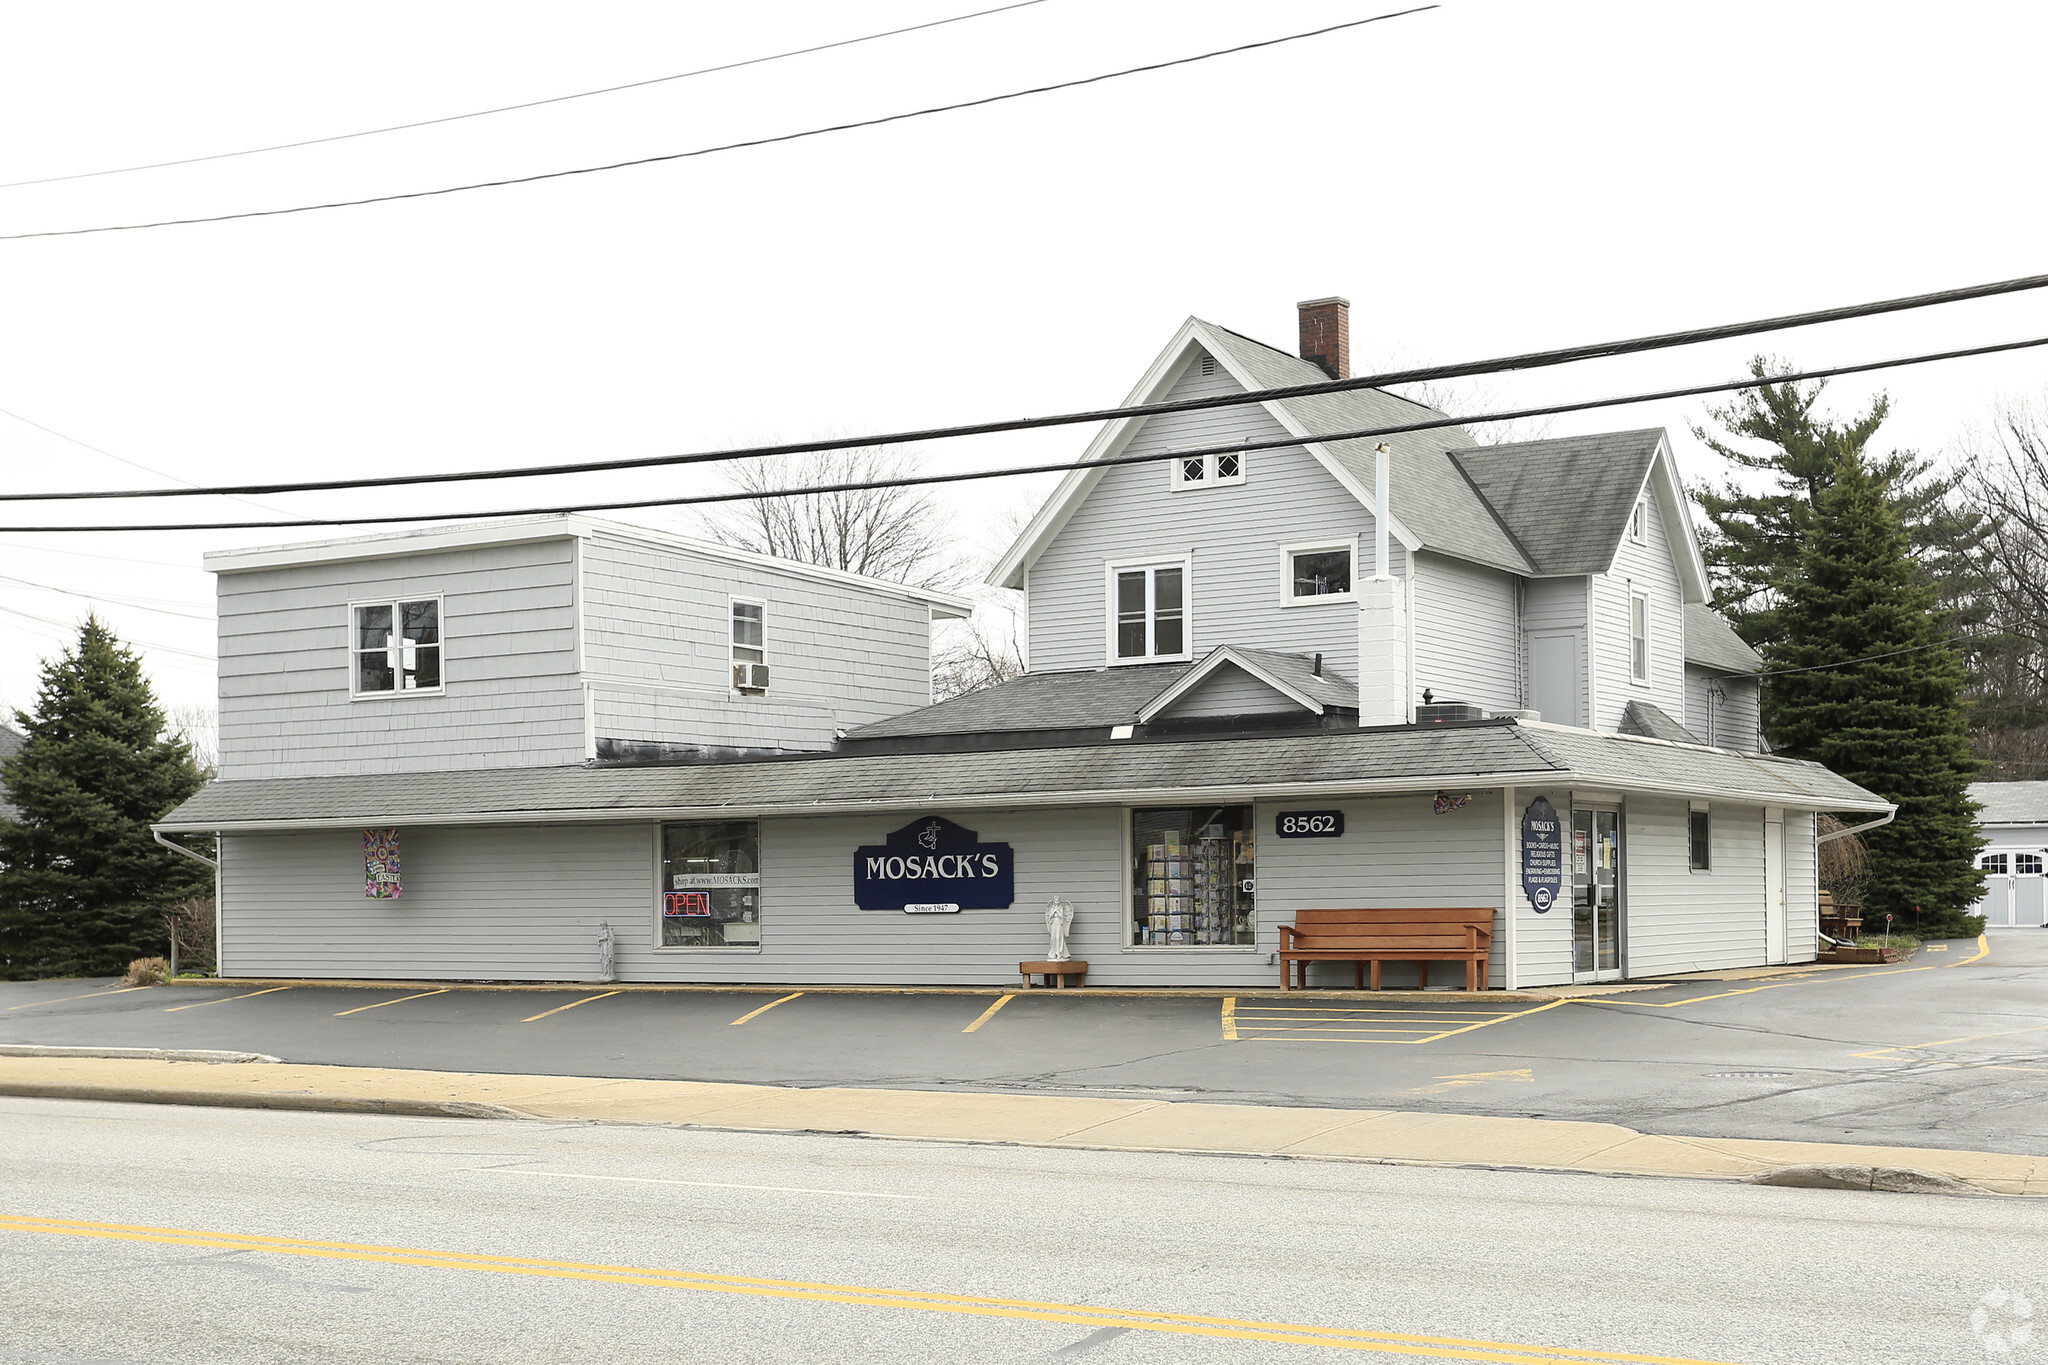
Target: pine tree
{"x":1897,"y":723}
{"x":81,"y":881}
{"x":1755,"y":537}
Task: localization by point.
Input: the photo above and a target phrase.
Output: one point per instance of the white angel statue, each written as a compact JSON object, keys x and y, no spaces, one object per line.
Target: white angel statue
{"x":1059,"y":917}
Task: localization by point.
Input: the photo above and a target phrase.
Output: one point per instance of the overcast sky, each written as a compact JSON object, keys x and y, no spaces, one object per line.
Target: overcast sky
{"x":1480,"y":179}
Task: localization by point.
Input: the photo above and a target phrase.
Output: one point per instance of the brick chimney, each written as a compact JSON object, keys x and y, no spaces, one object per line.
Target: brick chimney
{"x":1326,"y":335}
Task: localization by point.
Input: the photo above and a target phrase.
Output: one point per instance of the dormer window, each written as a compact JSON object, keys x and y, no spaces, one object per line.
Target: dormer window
{"x":1202,"y":471}
{"x":395,"y":647}
{"x":1148,"y":613}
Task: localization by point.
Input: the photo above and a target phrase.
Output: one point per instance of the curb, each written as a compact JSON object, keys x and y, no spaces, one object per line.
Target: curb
{"x":1539,"y":996}
{"x":229,"y":1099}
{"x":153,"y":1054}
{"x":1879,"y":1179}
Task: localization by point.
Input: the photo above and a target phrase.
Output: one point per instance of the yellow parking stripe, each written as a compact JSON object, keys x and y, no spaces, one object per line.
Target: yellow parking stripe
{"x":929,"y":1301}
{"x":986,"y":1014}
{"x":89,"y":995}
{"x":559,"y":1008}
{"x":1229,"y":1018}
{"x":399,"y":1001}
{"x":1818,"y":979}
{"x":765,"y":1008}
{"x":225,"y":999}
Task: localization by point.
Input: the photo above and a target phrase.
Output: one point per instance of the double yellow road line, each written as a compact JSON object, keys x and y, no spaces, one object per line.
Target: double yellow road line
{"x":968,"y":1305}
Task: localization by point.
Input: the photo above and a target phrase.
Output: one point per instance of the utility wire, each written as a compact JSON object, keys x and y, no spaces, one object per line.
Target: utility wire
{"x":1069,"y":466}
{"x":1457,"y":370}
{"x":73,"y":625}
{"x":1870,"y":658}
{"x":164,"y":606}
{"x":723,"y":147}
{"x":528,"y":104}
{"x":187,"y":485}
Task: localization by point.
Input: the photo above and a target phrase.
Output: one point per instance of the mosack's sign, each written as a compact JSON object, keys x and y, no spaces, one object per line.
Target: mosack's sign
{"x":1542,"y":854}
{"x":932,"y":861}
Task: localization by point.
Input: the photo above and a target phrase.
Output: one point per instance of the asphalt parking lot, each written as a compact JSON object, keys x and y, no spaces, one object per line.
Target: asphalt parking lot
{"x":1948,"y":1050}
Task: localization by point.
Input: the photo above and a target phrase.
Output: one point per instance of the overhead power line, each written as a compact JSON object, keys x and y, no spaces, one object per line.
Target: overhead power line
{"x":728,"y":146}
{"x":73,"y":625}
{"x":527,"y":104}
{"x":1530,"y":360}
{"x":164,"y":606}
{"x":1068,"y":466}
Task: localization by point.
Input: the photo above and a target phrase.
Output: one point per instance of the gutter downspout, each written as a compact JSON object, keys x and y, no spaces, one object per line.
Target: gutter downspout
{"x":157,"y":835}
{"x":1886,"y":819}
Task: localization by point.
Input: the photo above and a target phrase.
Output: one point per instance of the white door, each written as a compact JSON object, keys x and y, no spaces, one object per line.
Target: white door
{"x":1556,"y":675}
{"x":1774,"y":886}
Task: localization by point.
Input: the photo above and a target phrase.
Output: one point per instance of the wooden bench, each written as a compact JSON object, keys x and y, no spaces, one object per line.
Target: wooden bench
{"x":1055,"y":973}
{"x":1375,"y":936}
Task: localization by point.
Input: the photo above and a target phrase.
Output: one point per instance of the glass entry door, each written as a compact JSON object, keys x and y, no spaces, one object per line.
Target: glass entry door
{"x":1596,"y":894}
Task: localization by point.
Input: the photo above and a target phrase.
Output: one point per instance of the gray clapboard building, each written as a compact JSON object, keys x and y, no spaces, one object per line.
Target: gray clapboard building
{"x":2014,"y":821}
{"x":1327,"y":673}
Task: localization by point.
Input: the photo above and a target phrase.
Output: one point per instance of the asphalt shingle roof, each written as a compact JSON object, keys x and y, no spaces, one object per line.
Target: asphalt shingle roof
{"x":1404,"y":758}
{"x":2011,"y":803}
{"x":1712,"y":643}
{"x":1567,"y":500}
{"x":1641,"y":718}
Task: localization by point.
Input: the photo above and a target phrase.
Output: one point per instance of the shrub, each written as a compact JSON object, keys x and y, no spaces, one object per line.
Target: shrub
{"x":146,"y":971}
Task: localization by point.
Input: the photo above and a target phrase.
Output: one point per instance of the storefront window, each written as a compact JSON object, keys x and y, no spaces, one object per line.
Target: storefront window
{"x":1191,"y":876}
{"x":711,"y":884}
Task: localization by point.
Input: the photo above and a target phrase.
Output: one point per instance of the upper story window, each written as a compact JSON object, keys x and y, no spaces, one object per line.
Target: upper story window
{"x":1319,"y":573}
{"x":1639,"y":521}
{"x":749,"y":665}
{"x":395,"y":646}
{"x":1639,"y":636}
{"x":1148,"y":613}
{"x":1201,"y":471}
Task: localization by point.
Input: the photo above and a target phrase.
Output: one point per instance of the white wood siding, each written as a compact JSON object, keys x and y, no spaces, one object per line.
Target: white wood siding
{"x":1678,"y":920}
{"x":1467,"y":635}
{"x":1233,"y":531}
{"x":1802,"y":887}
{"x":1647,"y":567}
{"x":1230,"y":691}
{"x":508,"y":626}
{"x":1735,"y":720}
{"x":658,"y":643}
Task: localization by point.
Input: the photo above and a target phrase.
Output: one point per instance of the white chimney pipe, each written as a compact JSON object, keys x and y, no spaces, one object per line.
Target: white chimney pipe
{"x":1382,"y":476}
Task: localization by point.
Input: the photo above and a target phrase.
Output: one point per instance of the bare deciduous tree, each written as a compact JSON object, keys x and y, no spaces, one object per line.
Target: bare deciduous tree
{"x":979,"y":652}
{"x":2008,"y":480}
{"x":198,"y":726}
{"x":1475,"y":397}
{"x":895,"y":533}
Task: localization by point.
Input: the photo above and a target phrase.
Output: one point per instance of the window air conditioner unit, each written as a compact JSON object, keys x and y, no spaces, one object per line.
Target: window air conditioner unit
{"x":750,"y":677}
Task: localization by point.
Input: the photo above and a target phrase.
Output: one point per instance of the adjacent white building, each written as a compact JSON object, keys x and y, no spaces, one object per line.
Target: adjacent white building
{"x":2014,"y":820}
{"x":463,"y":753}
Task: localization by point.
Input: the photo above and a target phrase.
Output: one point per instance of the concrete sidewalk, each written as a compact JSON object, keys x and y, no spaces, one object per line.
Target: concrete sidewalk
{"x":1407,"y":1137}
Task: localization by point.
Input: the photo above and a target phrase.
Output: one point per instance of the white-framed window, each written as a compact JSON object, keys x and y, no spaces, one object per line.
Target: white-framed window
{"x":749,"y":659}
{"x":2027,"y":864}
{"x":1324,"y":572}
{"x":395,"y":647}
{"x":1148,"y":612}
{"x":1994,"y":863}
{"x":710,"y":885}
{"x":1639,"y":636}
{"x":1639,"y":521}
{"x":1699,"y":839}
{"x":1207,"y":471}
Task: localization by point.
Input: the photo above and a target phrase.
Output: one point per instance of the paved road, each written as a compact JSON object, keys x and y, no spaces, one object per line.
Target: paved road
{"x":602,"y":1237}
{"x":1836,"y":1055}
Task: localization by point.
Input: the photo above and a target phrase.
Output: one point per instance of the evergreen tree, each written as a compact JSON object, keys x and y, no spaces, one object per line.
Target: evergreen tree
{"x":1755,"y":537}
{"x":1895,"y":723}
{"x":82,"y":884}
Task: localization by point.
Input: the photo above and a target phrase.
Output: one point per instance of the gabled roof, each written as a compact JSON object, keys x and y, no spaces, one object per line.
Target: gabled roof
{"x":1711,"y":642}
{"x":1449,"y":495}
{"x":1292,"y":675}
{"x":1405,"y":758}
{"x":1641,"y":718}
{"x":1098,"y":698}
{"x":10,"y":743}
{"x":2011,"y":803}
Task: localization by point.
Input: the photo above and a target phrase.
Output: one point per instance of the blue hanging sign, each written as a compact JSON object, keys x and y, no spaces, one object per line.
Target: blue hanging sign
{"x":931,"y":862}
{"x":1542,"y":854}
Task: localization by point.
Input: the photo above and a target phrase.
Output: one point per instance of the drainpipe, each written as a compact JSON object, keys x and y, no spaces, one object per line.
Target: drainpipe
{"x":1382,"y":477}
{"x":157,"y":835}
{"x":1886,"y":819}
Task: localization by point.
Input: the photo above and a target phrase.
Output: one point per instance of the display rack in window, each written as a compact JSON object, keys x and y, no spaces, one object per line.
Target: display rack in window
{"x":1195,"y":877}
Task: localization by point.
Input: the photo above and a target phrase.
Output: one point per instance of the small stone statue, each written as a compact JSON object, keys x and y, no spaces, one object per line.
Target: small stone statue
{"x":1059,"y":917}
{"x":607,"y":956}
